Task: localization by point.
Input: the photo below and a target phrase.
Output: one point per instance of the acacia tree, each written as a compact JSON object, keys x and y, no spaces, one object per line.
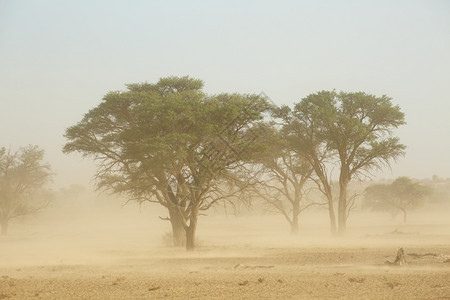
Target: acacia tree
{"x":281,"y":178}
{"x":355,"y":129}
{"x":304,"y":133}
{"x":360,"y":130}
{"x":400,"y":196}
{"x":133,"y":160}
{"x":171,"y":144}
{"x":22,"y":177}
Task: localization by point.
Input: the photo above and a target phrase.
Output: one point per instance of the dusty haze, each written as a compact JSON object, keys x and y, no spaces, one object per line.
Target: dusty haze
{"x":94,"y":247}
{"x":58,"y":59}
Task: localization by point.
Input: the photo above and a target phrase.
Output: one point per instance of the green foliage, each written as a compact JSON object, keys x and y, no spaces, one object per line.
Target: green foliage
{"x":172,"y":144}
{"x":281,"y":175}
{"x":357,"y":127}
{"x":169,"y":142}
{"x":166,"y":128}
{"x":350,"y":130}
{"x":22,"y":176}
{"x":401,"y":195}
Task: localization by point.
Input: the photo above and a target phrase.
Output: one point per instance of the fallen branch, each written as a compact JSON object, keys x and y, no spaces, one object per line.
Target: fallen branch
{"x":416,"y":255}
{"x":433,"y":255}
{"x":239,"y":266}
{"x":245,"y":282}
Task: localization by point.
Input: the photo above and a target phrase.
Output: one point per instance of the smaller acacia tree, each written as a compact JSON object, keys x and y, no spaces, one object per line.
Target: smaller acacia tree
{"x":355,"y":129}
{"x":22,"y":177}
{"x":304,"y":133}
{"x":400,"y":196}
{"x":282,"y":177}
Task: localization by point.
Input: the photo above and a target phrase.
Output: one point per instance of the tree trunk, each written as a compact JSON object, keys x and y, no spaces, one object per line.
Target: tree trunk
{"x":294,"y":228}
{"x":332,"y":216}
{"x":178,"y":234}
{"x":190,"y":231}
{"x":327,"y":192}
{"x":294,"y":223}
{"x":178,"y":231}
{"x":4,"y":226}
{"x":404,"y":215}
{"x":342,"y":208}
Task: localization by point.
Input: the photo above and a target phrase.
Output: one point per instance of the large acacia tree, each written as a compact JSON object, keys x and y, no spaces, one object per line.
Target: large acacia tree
{"x":171,"y":144}
{"x":22,"y":177}
{"x":354,"y":130}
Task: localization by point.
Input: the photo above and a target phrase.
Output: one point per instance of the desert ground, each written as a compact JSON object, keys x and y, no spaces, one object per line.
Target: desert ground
{"x":121,"y":253}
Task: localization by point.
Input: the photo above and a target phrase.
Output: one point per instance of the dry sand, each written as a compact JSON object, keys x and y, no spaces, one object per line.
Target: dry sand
{"x":262,"y":273}
{"x":237,"y":258}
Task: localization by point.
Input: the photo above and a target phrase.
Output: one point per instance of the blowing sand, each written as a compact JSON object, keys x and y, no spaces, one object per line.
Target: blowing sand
{"x":249,"y":258}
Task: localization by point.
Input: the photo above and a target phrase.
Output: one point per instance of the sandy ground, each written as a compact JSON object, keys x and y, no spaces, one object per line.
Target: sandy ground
{"x":277,"y":273}
{"x":235,"y":261}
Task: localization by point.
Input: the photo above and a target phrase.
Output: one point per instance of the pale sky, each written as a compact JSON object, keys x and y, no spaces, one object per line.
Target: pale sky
{"x":58,"y":58}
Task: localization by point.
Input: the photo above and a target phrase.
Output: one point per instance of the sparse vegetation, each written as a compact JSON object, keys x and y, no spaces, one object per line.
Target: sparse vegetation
{"x":225,"y":149}
{"x":281,"y":178}
{"x":171,"y":144}
{"x":402,"y":195}
{"x":352,"y":131}
{"x":22,"y":178}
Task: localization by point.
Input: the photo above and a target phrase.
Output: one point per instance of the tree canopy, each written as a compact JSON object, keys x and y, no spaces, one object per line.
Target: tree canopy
{"x":170,"y":143}
{"x":281,"y":177}
{"x":22,"y":177}
{"x":400,"y":196}
{"x":350,"y":130}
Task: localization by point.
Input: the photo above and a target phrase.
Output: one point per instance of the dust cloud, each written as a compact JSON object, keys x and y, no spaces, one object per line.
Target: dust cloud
{"x":94,"y":226}
{"x":96,"y":247}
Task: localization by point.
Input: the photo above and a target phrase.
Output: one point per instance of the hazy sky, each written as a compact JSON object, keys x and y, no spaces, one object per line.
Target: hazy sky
{"x":58,"y":58}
